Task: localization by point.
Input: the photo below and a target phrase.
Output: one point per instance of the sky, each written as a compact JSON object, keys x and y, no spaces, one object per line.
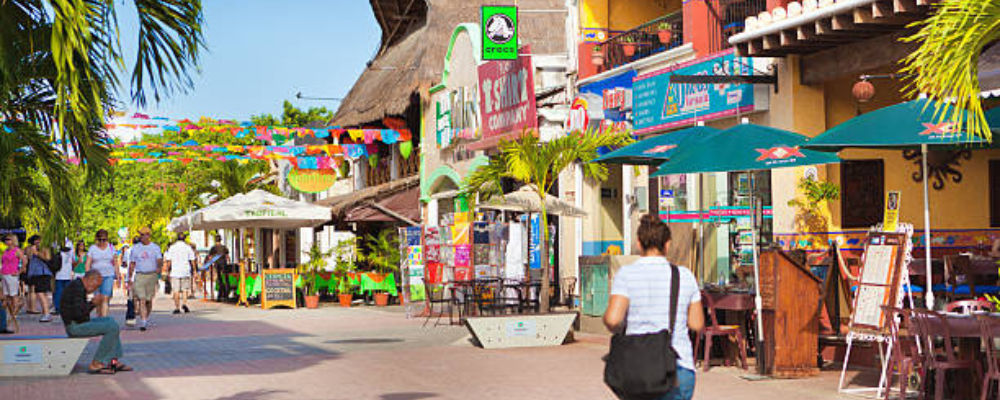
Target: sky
{"x":262,"y":52}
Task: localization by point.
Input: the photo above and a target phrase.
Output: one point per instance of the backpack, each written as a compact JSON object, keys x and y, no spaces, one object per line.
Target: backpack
{"x":644,"y":366}
{"x":55,"y":262}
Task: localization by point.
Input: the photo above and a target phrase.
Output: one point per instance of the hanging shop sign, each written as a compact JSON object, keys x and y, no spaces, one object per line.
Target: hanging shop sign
{"x":890,"y":220}
{"x":499,"y":29}
{"x":507,"y":96}
{"x":578,"y":119}
{"x":615,"y":93}
{"x":659,"y":104}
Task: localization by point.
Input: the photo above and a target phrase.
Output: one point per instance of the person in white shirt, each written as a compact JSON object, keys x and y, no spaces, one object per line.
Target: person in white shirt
{"x":180,"y":261}
{"x":65,"y":274}
{"x":146,"y":263}
{"x":640,"y":301}
{"x":103,"y":257}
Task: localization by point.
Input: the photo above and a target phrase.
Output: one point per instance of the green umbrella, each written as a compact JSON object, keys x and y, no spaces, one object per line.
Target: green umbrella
{"x":743,"y":147}
{"x":904,"y":125}
{"x":654,"y":150}
{"x":912,"y":124}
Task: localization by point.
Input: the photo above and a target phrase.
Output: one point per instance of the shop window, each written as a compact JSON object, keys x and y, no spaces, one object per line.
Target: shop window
{"x":862,"y":192}
{"x":995,"y":193}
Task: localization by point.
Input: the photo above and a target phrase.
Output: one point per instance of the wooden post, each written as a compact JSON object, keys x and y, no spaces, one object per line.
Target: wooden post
{"x":242,"y":286}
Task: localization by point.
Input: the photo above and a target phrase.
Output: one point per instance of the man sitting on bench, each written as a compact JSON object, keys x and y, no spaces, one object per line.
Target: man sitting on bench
{"x":75,"y":311}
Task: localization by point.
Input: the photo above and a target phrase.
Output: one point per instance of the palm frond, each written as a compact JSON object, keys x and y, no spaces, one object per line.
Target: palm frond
{"x":945,"y":65}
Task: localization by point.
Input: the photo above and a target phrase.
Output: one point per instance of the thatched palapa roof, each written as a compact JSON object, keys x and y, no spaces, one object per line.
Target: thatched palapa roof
{"x":415,"y":37}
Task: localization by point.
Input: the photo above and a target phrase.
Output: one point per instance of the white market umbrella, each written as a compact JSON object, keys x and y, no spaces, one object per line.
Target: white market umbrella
{"x":257,"y":209}
{"x":526,"y":199}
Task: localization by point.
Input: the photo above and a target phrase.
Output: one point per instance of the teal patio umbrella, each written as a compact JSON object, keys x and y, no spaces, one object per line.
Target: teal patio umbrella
{"x":745,"y":147}
{"x":910,"y":125}
{"x":655,"y":150}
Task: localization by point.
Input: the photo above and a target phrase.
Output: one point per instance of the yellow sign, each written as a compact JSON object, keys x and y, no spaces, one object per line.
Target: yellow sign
{"x":890,"y":220}
{"x":278,"y":288}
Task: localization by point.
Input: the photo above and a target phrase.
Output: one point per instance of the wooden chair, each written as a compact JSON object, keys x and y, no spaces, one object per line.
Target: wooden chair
{"x":955,"y":266}
{"x":940,"y":356}
{"x":968,"y":306}
{"x":715,"y":329}
{"x":988,"y":325}
{"x":905,"y":358}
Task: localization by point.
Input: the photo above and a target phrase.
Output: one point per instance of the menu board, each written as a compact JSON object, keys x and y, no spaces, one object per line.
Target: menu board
{"x":879,"y":281}
{"x":278,"y":288}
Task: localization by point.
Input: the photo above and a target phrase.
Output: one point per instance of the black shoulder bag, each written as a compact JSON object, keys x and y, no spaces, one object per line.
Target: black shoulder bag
{"x":644,"y":366}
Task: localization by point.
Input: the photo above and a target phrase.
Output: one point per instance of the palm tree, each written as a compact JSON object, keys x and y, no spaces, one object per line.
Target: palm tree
{"x":61,"y":62}
{"x":945,"y":64}
{"x":382,"y":251}
{"x":35,"y":182}
{"x":531,"y":161}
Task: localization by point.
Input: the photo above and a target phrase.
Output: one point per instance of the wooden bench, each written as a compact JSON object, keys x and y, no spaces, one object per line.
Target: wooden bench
{"x":40,"y":355}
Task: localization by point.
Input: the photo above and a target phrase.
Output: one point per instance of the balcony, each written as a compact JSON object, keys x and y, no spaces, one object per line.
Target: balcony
{"x":653,"y":37}
{"x":729,"y":17}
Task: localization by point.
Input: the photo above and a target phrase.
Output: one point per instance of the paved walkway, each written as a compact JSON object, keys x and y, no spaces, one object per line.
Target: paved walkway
{"x":226,"y":352}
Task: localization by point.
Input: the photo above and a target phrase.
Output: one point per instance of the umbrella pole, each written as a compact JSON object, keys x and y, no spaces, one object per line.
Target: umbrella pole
{"x":928,"y":292}
{"x":758,"y":301}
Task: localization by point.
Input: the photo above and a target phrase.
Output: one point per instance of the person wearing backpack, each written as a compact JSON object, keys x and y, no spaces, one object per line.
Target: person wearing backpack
{"x":40,"y":274}
{"x":653,"y":305}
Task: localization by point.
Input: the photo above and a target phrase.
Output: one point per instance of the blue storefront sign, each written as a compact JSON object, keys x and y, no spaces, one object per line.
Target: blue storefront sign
{"x":615,"y":93}
{"x":659,"y":105}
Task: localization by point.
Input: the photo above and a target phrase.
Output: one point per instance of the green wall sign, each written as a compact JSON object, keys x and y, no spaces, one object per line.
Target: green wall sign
{"x":499,"y":26}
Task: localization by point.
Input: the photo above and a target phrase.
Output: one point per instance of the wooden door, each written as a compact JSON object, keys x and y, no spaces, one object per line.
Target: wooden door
{"x":862,"y":192}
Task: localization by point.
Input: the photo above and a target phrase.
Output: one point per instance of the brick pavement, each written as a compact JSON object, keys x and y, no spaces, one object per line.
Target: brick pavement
{"x":226,"y":352}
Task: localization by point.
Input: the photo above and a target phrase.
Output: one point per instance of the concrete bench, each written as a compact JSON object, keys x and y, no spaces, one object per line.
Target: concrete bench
{"x":529,"y":330}
{"x":40,"y":355}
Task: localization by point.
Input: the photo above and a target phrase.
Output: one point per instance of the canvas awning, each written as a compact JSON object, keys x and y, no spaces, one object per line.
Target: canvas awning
{"x":342,"y":206}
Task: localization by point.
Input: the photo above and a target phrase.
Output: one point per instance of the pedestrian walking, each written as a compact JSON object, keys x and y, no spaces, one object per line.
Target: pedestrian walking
{"x":65,"y":273}
{"x":123,"y":256}
{"x":101,"y":257}
{"x":79,"y":260}
{"x":640,"y":305}
{"x":76,"y":318}
{"x":11,"y":264}
{"x":39,"y":275}
{"x":215,"y":262}
{"x":146,"y":265}
{"x":179,"y":263}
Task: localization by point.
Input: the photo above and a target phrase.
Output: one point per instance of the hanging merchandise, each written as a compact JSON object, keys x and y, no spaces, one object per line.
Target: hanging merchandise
{"x":405,"y":148}
{"x":373,"y":160}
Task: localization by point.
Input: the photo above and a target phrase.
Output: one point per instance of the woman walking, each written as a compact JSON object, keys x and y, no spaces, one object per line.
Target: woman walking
{"x":39,"y":275}
{"x":641,"y":297}
{"x":10,"y":270}
{"x":65,"y":274}
{"x":79,"y":260}
{"x":101,"y":257}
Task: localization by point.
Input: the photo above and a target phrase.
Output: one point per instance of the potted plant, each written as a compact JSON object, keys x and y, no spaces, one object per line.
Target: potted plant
{"x":665,"y":32}
{"x":345,"y":264}
{"x":628,"y":46}
{"x":310,"y":270}
{"x":382,"y":255}
{"x":597,"y":57}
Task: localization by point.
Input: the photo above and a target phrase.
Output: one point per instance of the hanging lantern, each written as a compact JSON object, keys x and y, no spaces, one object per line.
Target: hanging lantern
{"x":863,"y":91}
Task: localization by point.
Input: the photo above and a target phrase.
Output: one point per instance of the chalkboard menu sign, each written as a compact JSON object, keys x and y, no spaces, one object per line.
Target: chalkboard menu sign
{"x":278,"y":288}
{"x":879,"y":281}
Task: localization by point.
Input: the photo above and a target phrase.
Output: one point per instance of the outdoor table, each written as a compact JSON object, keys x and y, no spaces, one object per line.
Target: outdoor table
{"x":732,"y":301}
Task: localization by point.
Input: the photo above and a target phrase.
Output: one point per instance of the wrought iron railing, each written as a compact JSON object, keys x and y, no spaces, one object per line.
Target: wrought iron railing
{"x":730,"y":17}
{"x":656,"y":36}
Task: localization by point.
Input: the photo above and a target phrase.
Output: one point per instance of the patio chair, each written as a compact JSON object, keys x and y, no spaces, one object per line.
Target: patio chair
{"x":905,"y":358}
{"x":968,"y":306}
{"x":940,"y":356}
{"x":568,"y":289}
{"x":510,"y":297}
{"x":436,"y":294}
{"x":710,"y":331}
{"x":987,"y":325}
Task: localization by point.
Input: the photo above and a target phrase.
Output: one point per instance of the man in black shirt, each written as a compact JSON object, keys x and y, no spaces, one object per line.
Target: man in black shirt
{"x":75,"y":311}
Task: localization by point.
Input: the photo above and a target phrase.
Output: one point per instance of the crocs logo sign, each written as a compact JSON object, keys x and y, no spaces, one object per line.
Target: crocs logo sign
{"x":779,"y":153}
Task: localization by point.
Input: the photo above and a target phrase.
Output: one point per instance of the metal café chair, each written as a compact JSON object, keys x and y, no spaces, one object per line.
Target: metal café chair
{"x":905,"y":358}
{"x":988,"y":326}
{"x":436,"y":294}
{"x":940,"y":356}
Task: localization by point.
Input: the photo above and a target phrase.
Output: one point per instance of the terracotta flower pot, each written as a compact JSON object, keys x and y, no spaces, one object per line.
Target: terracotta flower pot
{"x":628,"y":49}
{"x":345,"y":299}
{"x":312,"y":301}
{"x":597,"y":58}
{"x":665,"y":36}
{"x":381,"y":299}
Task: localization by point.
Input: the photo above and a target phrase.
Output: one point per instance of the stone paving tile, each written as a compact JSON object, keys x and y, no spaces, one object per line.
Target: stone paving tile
{"x":227,"y":352}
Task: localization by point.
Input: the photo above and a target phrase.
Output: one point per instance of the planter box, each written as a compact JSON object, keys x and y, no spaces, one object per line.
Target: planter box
{"x":40,"y":355}
{"x":507,"y":331}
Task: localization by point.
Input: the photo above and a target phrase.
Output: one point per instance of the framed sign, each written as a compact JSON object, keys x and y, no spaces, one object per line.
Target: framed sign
{"x":278,"y":288}
{"x":499,"y":29}
{"x":879,"y":281}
